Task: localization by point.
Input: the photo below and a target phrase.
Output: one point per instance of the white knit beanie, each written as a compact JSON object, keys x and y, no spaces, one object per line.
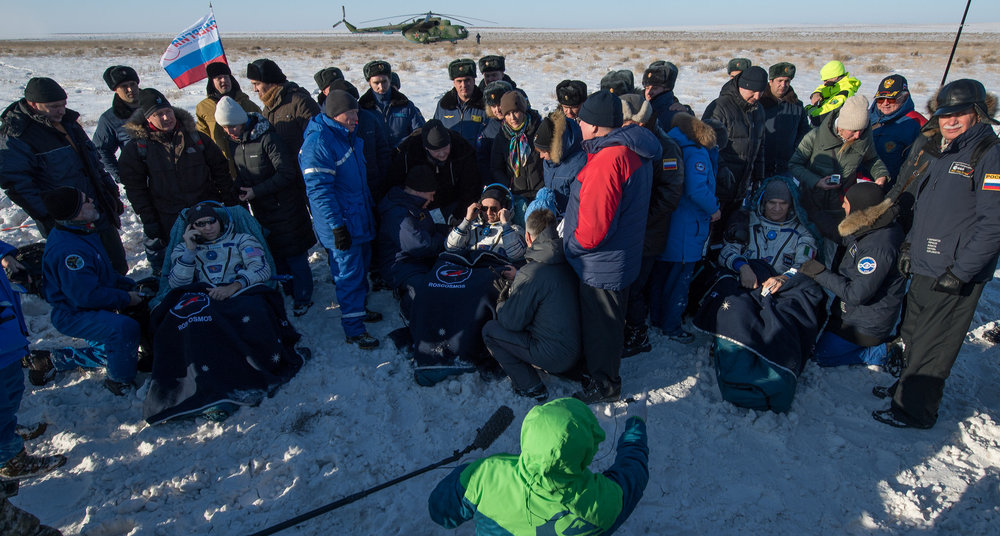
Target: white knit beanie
{"x":229,"y":113}
{"x":854,"y":114}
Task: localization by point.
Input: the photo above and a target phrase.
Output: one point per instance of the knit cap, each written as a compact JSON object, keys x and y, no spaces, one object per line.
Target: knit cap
{"x":544,"y":133}
{"x":854,"y":114}
{"x":511,"y":101}
{"x":777,"y":189}
{"x":753,"y":79}
{"x":229,"y":113}
{"x":63,"y":203}
{"x":338,"y":102}
{"x":602,"y":109}
{"x":421,"y":179}
{"x":42,"y":89}
{"x":864,"y":194}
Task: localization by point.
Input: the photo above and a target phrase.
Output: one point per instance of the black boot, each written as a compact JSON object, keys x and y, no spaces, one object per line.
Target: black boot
{"x":636,"y":340}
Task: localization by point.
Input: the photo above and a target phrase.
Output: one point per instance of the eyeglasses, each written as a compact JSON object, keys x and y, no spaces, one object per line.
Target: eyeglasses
{"x":205,"y":222}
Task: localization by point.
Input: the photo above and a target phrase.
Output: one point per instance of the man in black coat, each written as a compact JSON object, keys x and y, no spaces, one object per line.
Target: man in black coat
{"x":737,"y":109}
{"x":786,"y":121}
{"x":43,"y":147}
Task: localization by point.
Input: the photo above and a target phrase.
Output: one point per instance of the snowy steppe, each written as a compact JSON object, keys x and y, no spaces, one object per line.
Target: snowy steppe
{"x":353,"y":419}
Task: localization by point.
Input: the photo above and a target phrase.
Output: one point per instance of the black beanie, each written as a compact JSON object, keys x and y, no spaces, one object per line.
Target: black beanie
{"x":217,"y":68}
{"x":864,"y":194}
{"x":435,"y":135}
{"x":265,"y":70}
{"x":777,"y":189}
{"x":753,"y":79}
{"x":198,"y":212}
{"x":543,"y":135}
{"x":602,"y":109}
{"x":63,"y":203}
{"x":461,"y":68}
{"x":43,"y":90}
{"x":343,"y":85}
{"x":115,"y":75}
{"x":151,"y":100}
{"x":338,"y":102}
{"x":571,"y":92}
{"x":377,"y":68}
{"x":421,"y":179}
{"x":327,"y":76}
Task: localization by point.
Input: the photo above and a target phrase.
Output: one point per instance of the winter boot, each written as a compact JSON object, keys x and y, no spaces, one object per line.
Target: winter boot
{"x":539,"y":392}
{"x":40,"y":368}
{"x":31,"y":431}
{"x":595,"y":391}
{"x":119,"y":388}
{"x":895,"y":359}
{"x":364,"y":341}
{"x":372,"y":316}
{"x":889,"y":416}
{"x":636,"y":340}
{"x":13,"y":521}
{"x":24,"y":465}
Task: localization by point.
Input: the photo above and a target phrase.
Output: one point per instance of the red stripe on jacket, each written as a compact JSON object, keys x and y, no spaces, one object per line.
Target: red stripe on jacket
{"x":918,"y":117}
{"x":602,"y":181}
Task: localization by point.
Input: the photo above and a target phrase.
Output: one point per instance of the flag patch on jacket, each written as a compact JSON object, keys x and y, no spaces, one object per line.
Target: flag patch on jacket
{"x":992,"y":182}
{"x":669,"y":164}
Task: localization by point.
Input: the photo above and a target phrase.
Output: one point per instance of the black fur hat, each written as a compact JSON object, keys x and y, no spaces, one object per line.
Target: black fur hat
{"x":619,"y":82}
{"x":376,"y":68}
{"x":495,"y":91}
{"x":217,"y":68}
{"x":462,"y":67}
{"x":660,"y":73}
{"x":490,"y":64}
{"x":571,"y":92}
{"x":118,"y":74}
{"x":325,"y":77}
{"x":265,"y":70}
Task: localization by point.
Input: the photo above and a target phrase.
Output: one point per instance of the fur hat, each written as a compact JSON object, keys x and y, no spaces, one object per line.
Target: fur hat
{"x":543,"y":135}
{"x":376,"y":68}
{"x":461,"y":68}
{"x":325,"y":77}
{"x":619,"y":82}
{"x":864,"y":194}
{"x":63,"y":203}
{"x":151,"y":100}
{"x":738,"y":64}
{"x":217,"y":68}
{"x":421,"y":179}
{"x":571,"y":92}
{"x":228,"y":113}
{"x":602,"y":109}
{"x":495,"y":91}
{"x":853,"y":114}
{"x":511,"y":101}
{"x":435,"y":135}
{"x":781,"y":69}
{"x":752,"y":79}
{"x":491,"y":64}
{"x":42,"y":89}
{"x":265,"y":70}
{"x":116,"y":75}
{"x":660,"y":73}
{"x":635,"y":108}
{"x":338,"y":102}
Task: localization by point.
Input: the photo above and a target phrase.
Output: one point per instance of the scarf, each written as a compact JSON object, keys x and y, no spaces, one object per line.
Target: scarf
{"x":519,"y":148}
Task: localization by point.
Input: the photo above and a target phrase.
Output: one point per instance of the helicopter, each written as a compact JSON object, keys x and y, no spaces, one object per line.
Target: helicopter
{"x":420,"y":28}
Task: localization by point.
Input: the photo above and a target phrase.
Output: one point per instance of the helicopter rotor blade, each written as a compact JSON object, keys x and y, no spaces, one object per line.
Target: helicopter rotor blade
{"x":459,"y":18}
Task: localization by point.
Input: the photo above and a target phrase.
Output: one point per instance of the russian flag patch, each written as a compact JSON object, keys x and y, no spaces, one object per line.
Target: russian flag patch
{"x":669,"y":164}
{"x":991,"y":182}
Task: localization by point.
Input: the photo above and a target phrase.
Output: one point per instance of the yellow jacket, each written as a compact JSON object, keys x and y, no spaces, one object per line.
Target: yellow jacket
{"x":834,"y":96}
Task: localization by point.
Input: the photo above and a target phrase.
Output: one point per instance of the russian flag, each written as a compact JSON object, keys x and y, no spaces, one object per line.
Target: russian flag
{"x":191,"y":50}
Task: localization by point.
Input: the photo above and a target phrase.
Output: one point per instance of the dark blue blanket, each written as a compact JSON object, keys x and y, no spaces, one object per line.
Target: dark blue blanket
{"x":211,"y":352}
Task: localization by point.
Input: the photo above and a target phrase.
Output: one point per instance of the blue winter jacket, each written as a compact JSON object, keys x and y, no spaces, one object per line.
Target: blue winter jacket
{"x":661,"y":109}
{"x":892,"y":134}
{"x":605,"y":223}
{"x":110,"y":137}
{"x":466,"y":118}
{"x":399,"y":115}
{"x":690,"y":221}
{"x":377,"y":149}
{"x":333,"y":166}
{"x":956,"y":215}
{"x":565,"y":160}
{"x":78,"y":275}
{"x":13,"y":330}
{"x":409,"y":241}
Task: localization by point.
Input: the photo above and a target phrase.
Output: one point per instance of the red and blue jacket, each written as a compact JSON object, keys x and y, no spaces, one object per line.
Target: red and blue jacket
{"x":893,"y":134}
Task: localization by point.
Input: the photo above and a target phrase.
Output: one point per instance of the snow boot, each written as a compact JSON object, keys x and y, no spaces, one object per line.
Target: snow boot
{"x":31,"y":431}
{"x":40,"y":367}
{"x":364,"y":341}
{"x":23,"y":465}
{"x":636,"y":340}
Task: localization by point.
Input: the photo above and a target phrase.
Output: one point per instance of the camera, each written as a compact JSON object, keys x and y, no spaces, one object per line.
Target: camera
{"x":835,"y":179}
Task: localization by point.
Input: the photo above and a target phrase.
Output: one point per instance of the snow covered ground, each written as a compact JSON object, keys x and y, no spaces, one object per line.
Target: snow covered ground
{"x":353,"y":419}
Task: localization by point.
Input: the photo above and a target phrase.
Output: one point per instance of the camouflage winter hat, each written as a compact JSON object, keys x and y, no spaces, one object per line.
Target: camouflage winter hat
{"x":377,"y":68}
{"x":461,"y":68}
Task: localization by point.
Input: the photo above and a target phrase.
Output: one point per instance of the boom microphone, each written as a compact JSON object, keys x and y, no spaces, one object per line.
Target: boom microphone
{"x":498,"y":423}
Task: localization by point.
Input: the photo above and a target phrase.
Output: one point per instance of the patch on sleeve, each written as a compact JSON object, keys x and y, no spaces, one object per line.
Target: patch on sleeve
{"x":74,"y":262}
{"x":700,"y":166}
{"x":477,"y":119}
{"x":961,"y":168}
{"x":252,"y":251}
{"x":669,"y":164}
{"x":991,"y":182}
{"x":867,"y":265}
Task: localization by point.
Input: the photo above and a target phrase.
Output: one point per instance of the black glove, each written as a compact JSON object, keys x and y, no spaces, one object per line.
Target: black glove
{"x":152,"y":230}
{"x":948,"y":283}
{"x":342,"y":238}
{"x":812,"y":268}
{"x":903,"y":263}
{"x":503,"y":289}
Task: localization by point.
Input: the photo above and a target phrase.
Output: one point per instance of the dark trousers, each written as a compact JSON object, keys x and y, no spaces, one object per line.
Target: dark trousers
{"x":639,"y":296}
{"x":512,"y":349}
{"x":603,"y":323}
{"x":934,"y":330}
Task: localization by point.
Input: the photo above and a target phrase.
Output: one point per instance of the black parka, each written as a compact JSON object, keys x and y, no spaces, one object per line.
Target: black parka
{"x":743,"y":154}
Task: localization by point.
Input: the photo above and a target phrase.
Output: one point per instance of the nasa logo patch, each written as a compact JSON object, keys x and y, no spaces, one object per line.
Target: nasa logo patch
{"x":74,"y":262}
{"x":867,"y":265}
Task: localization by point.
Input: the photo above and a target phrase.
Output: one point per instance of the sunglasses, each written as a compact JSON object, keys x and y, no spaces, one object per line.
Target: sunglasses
{"x":492,"y":209}
{"x":886,"y":100}
{"x":205,"y":223}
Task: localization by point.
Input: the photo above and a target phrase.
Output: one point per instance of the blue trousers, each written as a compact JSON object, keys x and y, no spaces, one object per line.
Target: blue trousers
{"x":833,"y":351}
{"x":11,"y":389}
{"x":350,"y":273}
{"x":302,"y":280}
{"x":668,"y":294}
{"x":113,"y":341}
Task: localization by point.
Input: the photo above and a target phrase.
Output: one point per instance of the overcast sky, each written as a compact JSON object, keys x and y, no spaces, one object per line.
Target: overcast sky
{"x":23,"y":19}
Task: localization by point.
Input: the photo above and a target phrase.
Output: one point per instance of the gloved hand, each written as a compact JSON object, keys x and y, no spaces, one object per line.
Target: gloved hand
{"x":948,"y":283}
{"x":342,"y":238}
{"x":503,"y":288}
{"x":152,"y":230}
{"x":903,"y":263}
{"x":812,"y":268}
{"x":637,"y":406}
